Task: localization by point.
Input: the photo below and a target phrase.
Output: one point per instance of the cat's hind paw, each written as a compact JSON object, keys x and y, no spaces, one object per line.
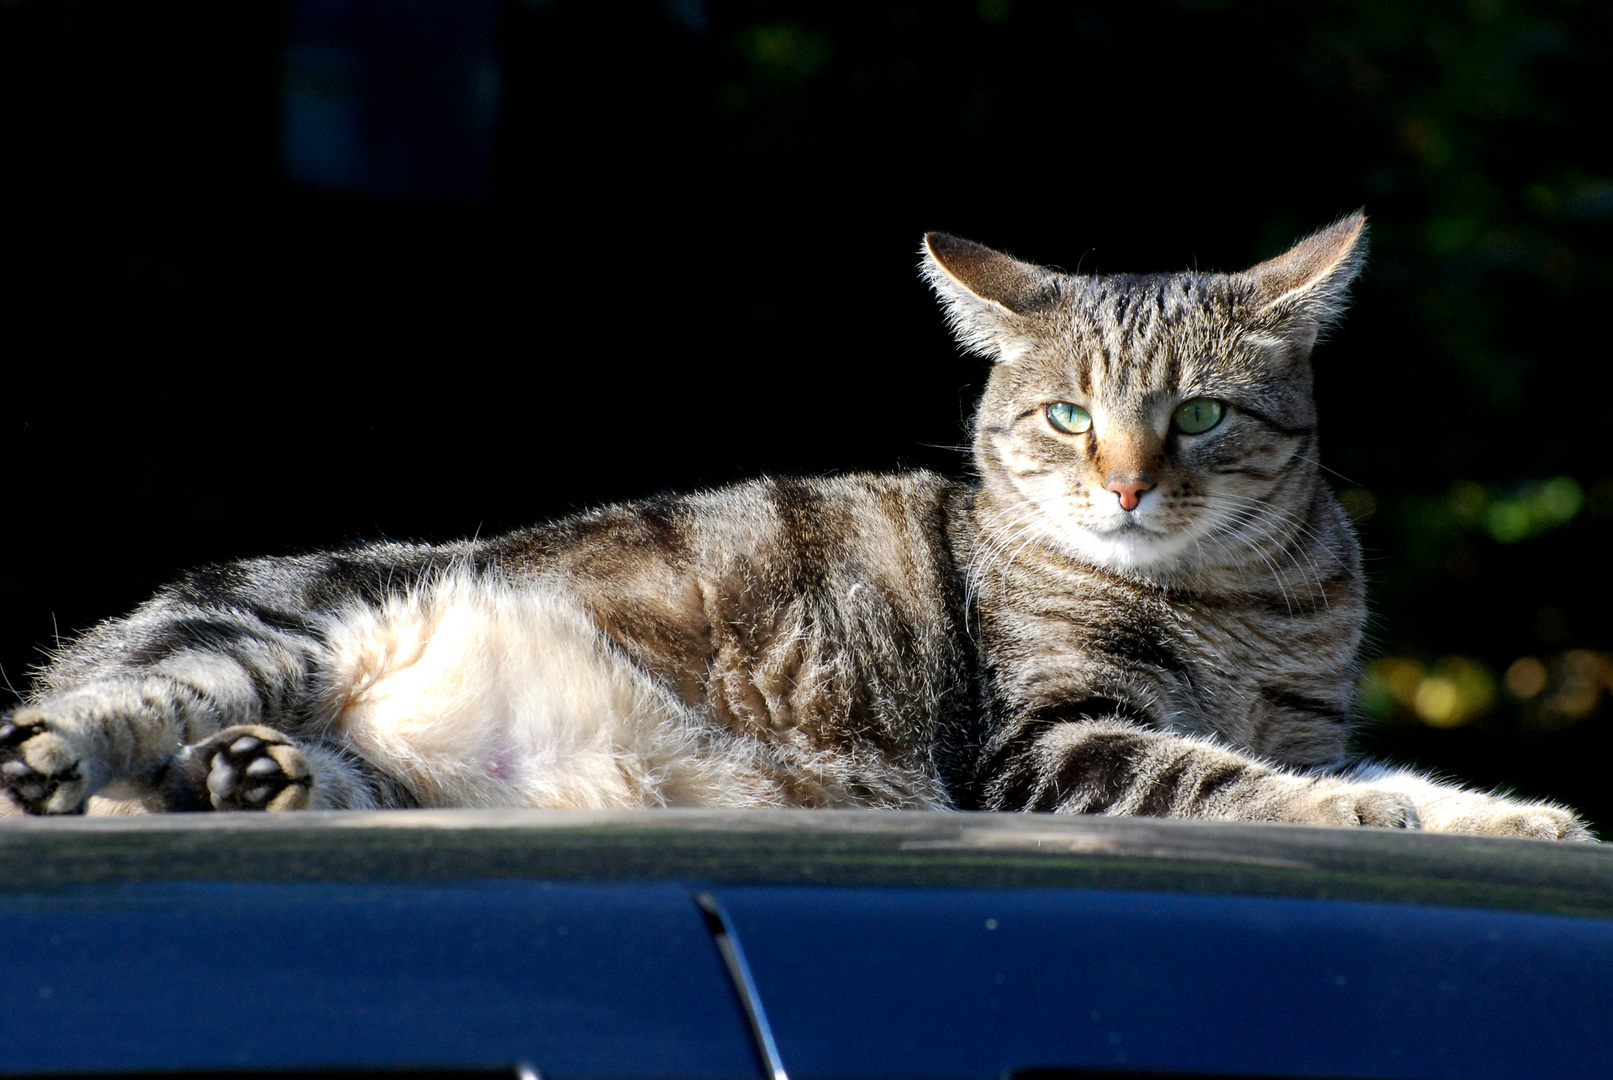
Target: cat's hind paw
{"x":39,"y":767}
{"x":246,"y":768}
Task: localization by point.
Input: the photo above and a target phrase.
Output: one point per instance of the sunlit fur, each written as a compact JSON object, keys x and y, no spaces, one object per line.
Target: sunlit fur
{"x":476,"y":694}
{"x":1128,"y":620}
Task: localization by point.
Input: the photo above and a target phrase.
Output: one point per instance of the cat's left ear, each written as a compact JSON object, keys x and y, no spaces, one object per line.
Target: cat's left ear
{"x":1304,"y":290}
{"x":989,"y":297}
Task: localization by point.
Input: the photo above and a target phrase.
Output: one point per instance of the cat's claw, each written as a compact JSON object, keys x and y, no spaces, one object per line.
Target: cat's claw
{"x":38,"y":767}
{"x":248,"y":768}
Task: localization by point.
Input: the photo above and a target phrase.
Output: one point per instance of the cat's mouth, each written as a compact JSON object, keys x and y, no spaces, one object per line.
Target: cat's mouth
{"x":1131,"y":525}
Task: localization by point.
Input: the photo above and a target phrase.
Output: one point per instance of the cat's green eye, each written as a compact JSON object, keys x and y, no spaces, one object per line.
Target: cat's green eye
{"x":1197,"y":416}
{"x":1069,"y":418}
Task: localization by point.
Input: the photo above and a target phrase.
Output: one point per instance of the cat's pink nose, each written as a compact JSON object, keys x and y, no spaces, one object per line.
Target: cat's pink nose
{"x":1130,"y":491}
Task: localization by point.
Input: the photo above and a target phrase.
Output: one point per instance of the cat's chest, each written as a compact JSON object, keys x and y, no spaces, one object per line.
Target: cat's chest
{"x":1241,"y":644}
{"x":1267,"y":680}
{"x":1193,"y":663}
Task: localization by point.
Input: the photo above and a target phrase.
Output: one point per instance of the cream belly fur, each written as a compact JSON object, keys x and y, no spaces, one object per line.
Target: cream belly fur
{"x":510,"y":696}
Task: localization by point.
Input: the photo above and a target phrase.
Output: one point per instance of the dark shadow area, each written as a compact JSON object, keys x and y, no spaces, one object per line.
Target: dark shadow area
{"x":291,"y":276}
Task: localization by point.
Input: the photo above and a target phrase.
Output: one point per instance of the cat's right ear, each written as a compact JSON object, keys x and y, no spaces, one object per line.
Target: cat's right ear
{"x":1303,"y":291}
{"x":989,"y":297}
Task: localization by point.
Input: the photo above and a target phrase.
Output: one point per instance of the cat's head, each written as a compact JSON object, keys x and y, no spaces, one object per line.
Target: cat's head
{"x":1148,"y":423}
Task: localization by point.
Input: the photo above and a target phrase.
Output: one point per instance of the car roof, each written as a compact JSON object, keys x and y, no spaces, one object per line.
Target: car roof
{"x":818,"y":847}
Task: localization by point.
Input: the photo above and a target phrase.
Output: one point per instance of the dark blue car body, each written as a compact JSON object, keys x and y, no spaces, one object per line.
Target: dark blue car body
{"x":811,"y":943}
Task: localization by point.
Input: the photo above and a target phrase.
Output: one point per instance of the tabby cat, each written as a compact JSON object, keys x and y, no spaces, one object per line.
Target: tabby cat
{"x":1147,"y":602}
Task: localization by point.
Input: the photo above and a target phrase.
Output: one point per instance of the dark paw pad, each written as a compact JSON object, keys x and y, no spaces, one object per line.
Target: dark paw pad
{"x":246,"y":768}
{"x":38,"y":767}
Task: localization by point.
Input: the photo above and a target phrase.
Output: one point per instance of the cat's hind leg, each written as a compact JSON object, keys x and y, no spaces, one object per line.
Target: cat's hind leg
{"x":112,"y":734}
{"x":252,"y":767}
{"x":248,"y":767}
{"x":126,"y":709}
{"x":40,"y":768}
{"x":155,"y":735}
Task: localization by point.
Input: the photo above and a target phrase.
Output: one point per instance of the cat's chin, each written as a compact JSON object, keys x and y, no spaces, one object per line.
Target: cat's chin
{"x":1130,"y":548}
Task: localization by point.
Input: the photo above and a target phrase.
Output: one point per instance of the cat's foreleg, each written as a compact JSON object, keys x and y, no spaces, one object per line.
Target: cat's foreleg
{"x":1113,"y":766}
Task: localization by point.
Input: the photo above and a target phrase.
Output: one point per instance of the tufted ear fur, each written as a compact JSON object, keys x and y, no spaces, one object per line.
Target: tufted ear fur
{"x":987,"y":295}
{"x":1304,"y":290}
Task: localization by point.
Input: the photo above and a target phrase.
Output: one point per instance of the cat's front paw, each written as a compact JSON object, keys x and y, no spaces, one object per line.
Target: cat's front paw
{"x":1498,"y":816}
{"x":247,"y":768}
{"x":1343,"y":803}
{"x":39,"y":766}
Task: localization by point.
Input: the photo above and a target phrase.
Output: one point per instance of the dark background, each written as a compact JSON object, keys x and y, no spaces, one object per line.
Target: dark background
{"x":278,"y":277}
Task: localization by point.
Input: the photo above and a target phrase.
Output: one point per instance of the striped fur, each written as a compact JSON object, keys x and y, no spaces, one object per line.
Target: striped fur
{"x":1127,"y":620}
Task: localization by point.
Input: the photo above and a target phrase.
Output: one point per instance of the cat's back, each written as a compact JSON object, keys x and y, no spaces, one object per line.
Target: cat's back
{"x":867,"y":517}
{"x":802,"y":534}
{"x":823,"y":612}
{"x":851,"y":550}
